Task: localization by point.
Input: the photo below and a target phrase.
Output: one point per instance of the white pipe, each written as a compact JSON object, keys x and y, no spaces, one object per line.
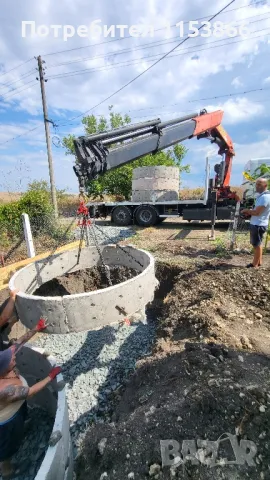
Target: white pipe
{"x":28,"y":236}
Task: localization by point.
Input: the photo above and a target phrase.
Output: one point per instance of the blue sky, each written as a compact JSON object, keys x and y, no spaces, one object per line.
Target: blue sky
{"x":203,"y":68}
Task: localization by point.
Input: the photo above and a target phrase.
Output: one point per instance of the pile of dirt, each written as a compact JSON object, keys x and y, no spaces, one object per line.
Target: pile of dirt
{"x":202,"y":393}
{"x":207,"y":380}
{"x":218,"y":302}
{"x":87,"y":280}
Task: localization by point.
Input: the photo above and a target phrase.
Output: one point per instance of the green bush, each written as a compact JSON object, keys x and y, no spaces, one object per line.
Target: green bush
{"x":10,"y":219}
{"x":38,"y":206}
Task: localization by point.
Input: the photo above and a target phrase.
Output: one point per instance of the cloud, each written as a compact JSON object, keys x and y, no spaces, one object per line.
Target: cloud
{"x":237,"y":82}
{"x":188,"y":76}
{"x":22,"y":130}
{"x":201,"y":68}
{"x":266,"y":80}
{"x":237,"y":110}
{"x":247,"y":151}
{"x":243,"y":153}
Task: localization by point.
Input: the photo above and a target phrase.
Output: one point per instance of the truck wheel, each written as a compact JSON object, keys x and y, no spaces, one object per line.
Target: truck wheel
{"x":146,"y":216}
{"x":122,"y":216}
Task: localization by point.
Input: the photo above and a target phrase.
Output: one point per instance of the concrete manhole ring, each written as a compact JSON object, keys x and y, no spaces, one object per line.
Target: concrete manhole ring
{"x":33,"y":363}
{"x":91,"y":310}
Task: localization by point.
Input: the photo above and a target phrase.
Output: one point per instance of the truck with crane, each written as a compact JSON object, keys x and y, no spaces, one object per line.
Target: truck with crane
{"x":98,"y":153}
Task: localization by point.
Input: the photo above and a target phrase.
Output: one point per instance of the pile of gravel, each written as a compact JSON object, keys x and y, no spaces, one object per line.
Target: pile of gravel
{"x":106,"y":234}
{"x":95,"y":365}
{"x":33,"y":449}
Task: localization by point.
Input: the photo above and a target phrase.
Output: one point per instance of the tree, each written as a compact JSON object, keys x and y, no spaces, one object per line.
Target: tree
{"x":119,"y":182}
{"x":261,"y":171}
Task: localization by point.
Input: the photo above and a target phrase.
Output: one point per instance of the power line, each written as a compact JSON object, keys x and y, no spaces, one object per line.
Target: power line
{"x":201,"y":99}
{"x":137,"y":61}
{"x":229,"y":95}
{"x":186,"y":112}
{"x":27,"y":74}
{"x":151,"y":45}
{"x":17,"y":91}
{"x":15,"y":68}
{"x":253,"y":4}
{"x":158,"y":107}
{"x":151,"y":66}
{"x":21,"y":135}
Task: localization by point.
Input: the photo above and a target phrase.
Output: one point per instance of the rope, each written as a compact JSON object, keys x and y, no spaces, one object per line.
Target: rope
{"x":104,"y":266}
{"x":120,"y":248}
{"x":87,"y":226}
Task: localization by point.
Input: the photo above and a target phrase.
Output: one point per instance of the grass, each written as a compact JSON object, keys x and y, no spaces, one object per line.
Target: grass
{"x":221,"y":248}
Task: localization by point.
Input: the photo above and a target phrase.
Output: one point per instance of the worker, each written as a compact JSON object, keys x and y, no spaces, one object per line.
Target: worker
{"x":6,"y":316}
{"x":14,"y":392}
{"x":259,"y":220}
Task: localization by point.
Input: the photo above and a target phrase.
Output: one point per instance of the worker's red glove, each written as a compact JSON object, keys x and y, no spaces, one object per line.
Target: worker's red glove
{"x":54,"y":372}
{"x":41,"y":325}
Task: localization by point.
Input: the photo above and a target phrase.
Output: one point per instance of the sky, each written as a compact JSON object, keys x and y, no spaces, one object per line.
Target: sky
{"x":228,"y":71}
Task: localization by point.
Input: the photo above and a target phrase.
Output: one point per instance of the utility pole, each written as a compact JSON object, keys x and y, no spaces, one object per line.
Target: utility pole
{"x":47,"y":133}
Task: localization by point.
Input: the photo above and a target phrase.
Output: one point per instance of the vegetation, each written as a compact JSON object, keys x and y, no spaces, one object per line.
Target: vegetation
{"x":119,"y":182}
{"x":36,"y":202}
{"x":221,"y":249}
{"x":261,"y":171}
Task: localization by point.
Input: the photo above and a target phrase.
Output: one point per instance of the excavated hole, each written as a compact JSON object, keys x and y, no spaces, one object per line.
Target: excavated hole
{"x":82,"y":281}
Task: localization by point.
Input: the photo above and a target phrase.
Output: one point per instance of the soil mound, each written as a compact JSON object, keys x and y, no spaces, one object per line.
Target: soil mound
{"x":221,"y":303}
{"x":207,"y":379}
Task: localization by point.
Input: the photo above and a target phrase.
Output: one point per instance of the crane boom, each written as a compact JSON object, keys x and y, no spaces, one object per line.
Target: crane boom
{"x":105,"y":151}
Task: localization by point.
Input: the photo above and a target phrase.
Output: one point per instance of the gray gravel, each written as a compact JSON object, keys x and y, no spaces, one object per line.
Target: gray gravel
{"x":95,"y":364}
{"x":107,"y":234}
{"x":35,"y":444}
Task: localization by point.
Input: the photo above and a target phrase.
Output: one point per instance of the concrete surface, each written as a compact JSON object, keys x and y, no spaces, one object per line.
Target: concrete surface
{"x":34,"y":365}
{"x":85,"y":311}
{"x":156,"y":172}
{"x":154,"y":196}
{"x":155,"y":184}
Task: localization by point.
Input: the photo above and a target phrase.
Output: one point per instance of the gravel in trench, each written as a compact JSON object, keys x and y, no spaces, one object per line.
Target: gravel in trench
{"x":34,"y":447}
{"x":95,"y":364}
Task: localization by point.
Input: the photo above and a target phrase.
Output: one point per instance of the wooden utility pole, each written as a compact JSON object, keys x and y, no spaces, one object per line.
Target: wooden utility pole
{"x":47,"y":133}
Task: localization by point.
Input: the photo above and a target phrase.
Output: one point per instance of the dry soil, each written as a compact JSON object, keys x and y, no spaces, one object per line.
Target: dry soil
{"x":207,"y":379}
{"x":86,"y":280}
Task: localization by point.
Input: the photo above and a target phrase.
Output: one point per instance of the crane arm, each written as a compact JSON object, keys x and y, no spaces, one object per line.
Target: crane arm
{"x":105,"y":151}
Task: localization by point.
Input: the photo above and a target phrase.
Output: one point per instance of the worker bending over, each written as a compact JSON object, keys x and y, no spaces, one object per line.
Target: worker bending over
{"x":259,"y":220}
{"x":14,"y":392}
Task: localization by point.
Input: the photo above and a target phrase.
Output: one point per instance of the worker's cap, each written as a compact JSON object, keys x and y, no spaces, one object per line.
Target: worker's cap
{"x":5,"y":358}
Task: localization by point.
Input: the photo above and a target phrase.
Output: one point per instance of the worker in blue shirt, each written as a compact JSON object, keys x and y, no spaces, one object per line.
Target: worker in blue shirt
{"x":259,"y":220}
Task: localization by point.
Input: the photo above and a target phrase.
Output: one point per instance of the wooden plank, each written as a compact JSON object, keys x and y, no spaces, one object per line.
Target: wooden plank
{"x":9,"y":270}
